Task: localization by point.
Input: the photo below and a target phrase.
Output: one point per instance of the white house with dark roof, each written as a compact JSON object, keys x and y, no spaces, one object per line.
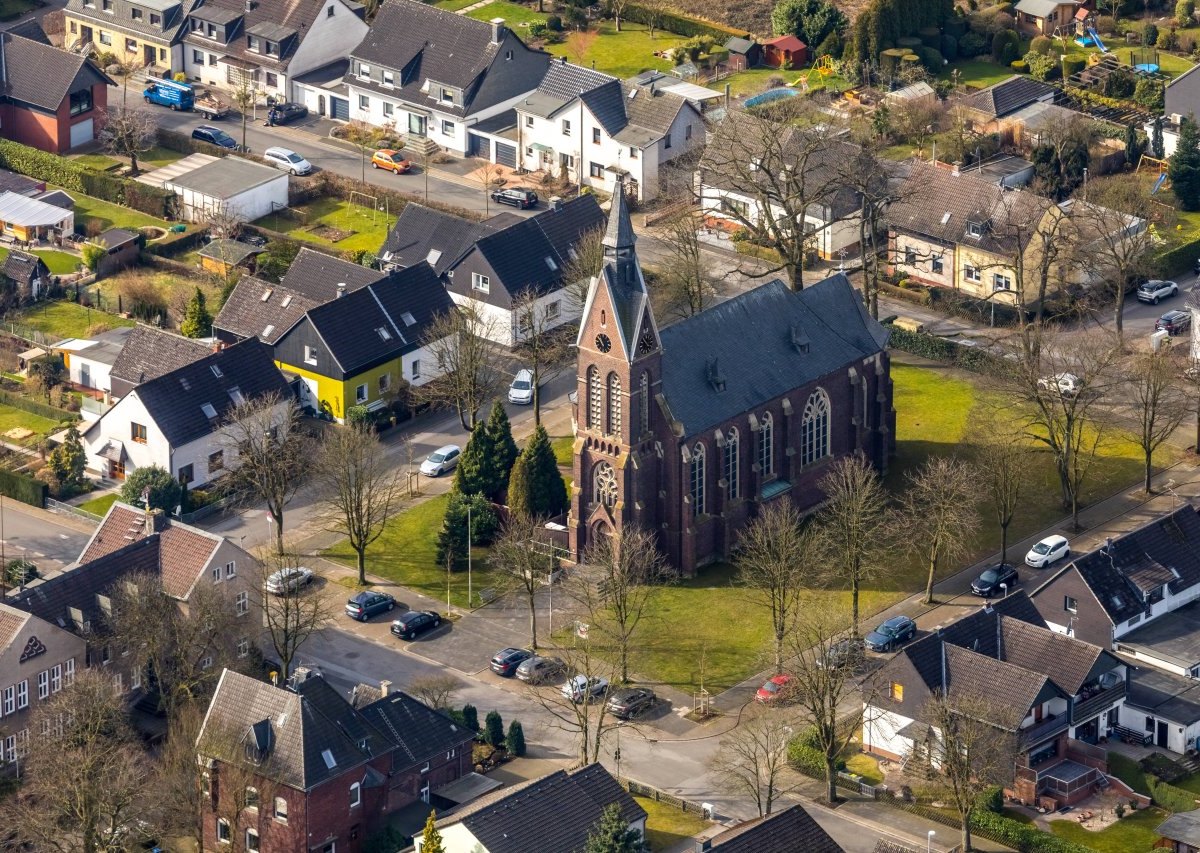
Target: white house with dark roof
{"x":148,"y":353}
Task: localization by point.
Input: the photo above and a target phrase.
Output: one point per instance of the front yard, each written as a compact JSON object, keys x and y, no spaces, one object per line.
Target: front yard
{"x":331,"y":222}
{"x":14,"y":418}
{"x":100,"y":505}
{"x":667,"y":826}
{"x":1135,"y":832}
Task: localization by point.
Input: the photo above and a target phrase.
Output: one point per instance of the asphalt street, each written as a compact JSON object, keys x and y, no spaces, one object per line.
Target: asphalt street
{"x":49,"y":544}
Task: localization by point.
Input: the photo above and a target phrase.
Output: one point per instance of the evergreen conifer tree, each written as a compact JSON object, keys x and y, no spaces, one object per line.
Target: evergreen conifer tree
{"x":515,"y":742}
{"x":536,"y":488}
{"x":612,"y":834}
{"x":1156,"y":139}
{"x":493,"y":729}
{"x":1184,"y":166}
{"x":472,"y":476}
{"x":504,"y":450}
{"x":431,"y":839}
{"x":197,"y":322}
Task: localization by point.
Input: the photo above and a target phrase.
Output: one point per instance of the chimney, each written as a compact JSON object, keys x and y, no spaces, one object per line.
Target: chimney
{"x":555,"y":202}
{"x":384,"y":687}
{"x":153,"y":520}
{"x":341,"y":289}
{"x":703,"y":844}
{"x":562,"y":60}
{"x":249,"y":5}
{"x":955,"y":171}
{"x":218,"y":345}
{"x":497,"y":30}
{"x":1107,"y":544}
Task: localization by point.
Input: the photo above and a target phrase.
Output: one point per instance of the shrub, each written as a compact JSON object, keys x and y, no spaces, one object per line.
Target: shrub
{"x":538,"y":30}
{"x":1149,"y":93}
{"x":805,"y":754}
{"x":949,"y":48}
{"x":23,"y":488}
{"x":1119,"y":84}
{"x":493,"y":729}
{"x":1073,"y":65}
{"x":1184,"y":10}
{"x":141,"y":296}
{"x":931,"y":58}
{"x":554,"y":23}
{"x":972,"y":44}
{"x":1020,"y":66}
{"x":1042,"y":67}
{"x":1106,"y":25}
{"x":470,"y":717}
{"x":162,"y":488}
{"x":515,"y":742}
{"x":1171,"y":798}
{"x":1168,"y":40}
{"x":1021,"y":836}
{"x":1041,"y":46}
{"x":1149,"y":33}
{"x":92,"y":255}
{"x":992,"y":799}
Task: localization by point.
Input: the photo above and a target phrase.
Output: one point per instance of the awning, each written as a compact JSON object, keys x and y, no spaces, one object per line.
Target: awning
{"x":467,"y":788}
{"x":375,"y":406}
{"x":31,"y":354}
{"x":537,"y":146}
{"x":616,"y":170}
{"x":114,"y":451}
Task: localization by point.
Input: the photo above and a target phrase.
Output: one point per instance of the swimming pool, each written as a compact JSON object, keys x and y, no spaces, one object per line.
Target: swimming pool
{"x":771,"y":95}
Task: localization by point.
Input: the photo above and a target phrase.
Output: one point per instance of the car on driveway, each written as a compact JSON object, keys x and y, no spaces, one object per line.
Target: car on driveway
{"x":287,"y":160}
{"x":1066,"y":384}
{"x":521,"y":390}
{"x":390,"y":160}
{"x":288,"y":112}
{"x":506,"y":661}
{"x":774,"y":689}
{"x":1049,"y":550}
{"x":441,"y":461}
{"x":581,"y":688}
{"x":367,"y":604}
{"x":891,"y":634}
{"x":214,"y":136}
{"x":1155,"y":290}
{"x":629,"y":702}
{"x":414,"y":623}
{"x":1174,"y":322}
{"x":289,"y":580}
{"x":843,"y":654}
{"x":517,"y":197}
{"x":989,"y":581}
{"x":539,"y":669}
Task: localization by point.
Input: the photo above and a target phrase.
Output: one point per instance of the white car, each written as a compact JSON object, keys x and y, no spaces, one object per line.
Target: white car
{"x":441,"y":461}
{"x":580,"y":688}
{"x":1049,"y":550}
{"x":289,"y":580}
{"x":1066,"y":384}
{"x":521,"y":390}
{"x":288,"y":160}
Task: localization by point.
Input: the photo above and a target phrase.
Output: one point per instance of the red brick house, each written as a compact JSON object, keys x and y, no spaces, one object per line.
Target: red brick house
{"x":49,"y":98}
{"x":784,"y":52}
{"x":304,"y":769}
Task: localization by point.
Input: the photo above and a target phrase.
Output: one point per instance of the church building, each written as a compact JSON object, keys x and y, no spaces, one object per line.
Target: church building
{"x":687,"y":431}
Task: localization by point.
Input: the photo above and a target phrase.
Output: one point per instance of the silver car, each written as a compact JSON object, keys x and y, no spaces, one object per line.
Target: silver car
{"x":441,"y":461}
{"x":287,"y":160}
{"x":521,"y":390}
{"x":289,"y":580}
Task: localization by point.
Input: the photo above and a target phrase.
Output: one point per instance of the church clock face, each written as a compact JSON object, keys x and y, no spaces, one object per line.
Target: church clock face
{"x":647,"y":339}
{"x":603,"y":342}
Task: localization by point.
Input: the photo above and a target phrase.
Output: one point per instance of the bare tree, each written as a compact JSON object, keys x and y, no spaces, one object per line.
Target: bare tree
{"x":615,"y":587}
{"x":129,"y":132}
{"x":654,"y":11}
{"x":587,"y":722}
{"x":545,"y":346}
{"x":872,"y":179}
{"x":1157,"y":393}
{"x":359,"y":488}
{"x":273,"y":454}
{"x":975,"y":746}
{"x":85,"y":778}
{"x":617,"y":7}
{"x":467,"y":365}
{"x":435,"y":690}
{"x":489,"y":174}
{"x":225,"y":223}
{"x":1003,"y":459}
{"x":753,"y":758}
{"x":774,"y":558}
{"x":177,"y":810}
{"x":245,"y":95}
{"x":938,"y":512}
{"x":686,"y":287}
{"x":852,"y":526}
{"x":236,"y":790}
{"x":291,"y":616}
{"x":587,"y":258}
{"x":524,"y":563}
{"x":368,"y":137}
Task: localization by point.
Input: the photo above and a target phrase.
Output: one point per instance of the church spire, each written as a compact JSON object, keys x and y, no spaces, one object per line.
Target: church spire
{"x":619,"y":234}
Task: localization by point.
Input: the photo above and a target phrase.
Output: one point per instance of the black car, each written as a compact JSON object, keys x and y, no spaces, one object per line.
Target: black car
{"x":988,"y":583}
{"x":629,"y":702}
{"x":287,"y":112}
{"x":847,"y":654}
{"x":537,"y":669}
{"x":521,"y":198}
{"x":891,"y":634}
{"x":367,"y":604}
{"x":214,"y":136}
{"x":506,"y":661}
{"x":415,"y":622}
{"x":1175,"y":322}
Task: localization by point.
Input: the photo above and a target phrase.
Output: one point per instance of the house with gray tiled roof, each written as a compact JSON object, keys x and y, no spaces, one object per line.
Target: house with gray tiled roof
{"x":1057,"y":695}
{"x":144,"y":32}
{"x":27,"y":275}
{"x":995,"y":102}
{"x":492,"y":266}
{"x":148,"y":353}
{"x":328,"y":775}
{"x":783,"y":831}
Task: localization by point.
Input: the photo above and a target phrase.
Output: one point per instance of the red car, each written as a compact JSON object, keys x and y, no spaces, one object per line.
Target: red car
{"x":770,"y":692}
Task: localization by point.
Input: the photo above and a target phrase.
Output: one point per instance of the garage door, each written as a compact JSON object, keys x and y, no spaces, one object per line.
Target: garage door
{"x":506,"y":155}
{"x":479,"y":146}
{"x":339,"y":108}
{"x":81,"y":133}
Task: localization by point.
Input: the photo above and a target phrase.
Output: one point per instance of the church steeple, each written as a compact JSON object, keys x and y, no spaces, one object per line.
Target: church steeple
{"x":619,"y":237}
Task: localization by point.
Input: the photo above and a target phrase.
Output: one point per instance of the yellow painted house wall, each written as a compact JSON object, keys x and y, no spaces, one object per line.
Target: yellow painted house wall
{"x":988,"y":264}
{"x":334,"y":393}
{"x":120,"y":38}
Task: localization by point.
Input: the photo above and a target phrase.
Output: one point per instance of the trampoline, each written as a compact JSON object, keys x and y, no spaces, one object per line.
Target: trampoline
{"x":1146,"y":68}
{"x":1144,"y":60}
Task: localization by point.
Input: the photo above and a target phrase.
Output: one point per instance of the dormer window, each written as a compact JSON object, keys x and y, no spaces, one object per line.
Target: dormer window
{"x":156,"y":19}
{"x":136,"y":14}
{"x":389,"y":79}
{"x":447,"y":96}
{"x":253,"y":43}
{"x":272,"y":49}
{"x":107,"y":5}
{"x":975,"y":229}
{"x":364,"y":71}
{"x":211,"y":31}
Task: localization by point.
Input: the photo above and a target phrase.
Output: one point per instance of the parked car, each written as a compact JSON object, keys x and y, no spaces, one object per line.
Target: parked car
{"x":214,"y":136}
{"x":989,"y":581}
{"x":168,"y":93}
{"x":288,"y":160}
{"x":414,"y":623}
{"x":1155,"y":290}
{"x":506,"y":661}
{"x":391,"y":160}
{"x":846,"y":653}
{"x":441,"y":461}
{"x":253,"y":240}
{"x":774,"y":690}
{"x":517,"y":197}
{"x":286,"y":113}
{"x":1066,"y":384}
{"x":580,"y":688}
{"x":367,"y":604}
{"x":629,"y":702}
{"x":289,"y":580}
{"x":891,"y":634}
{"x":1175,"y":322}
{"x":521,"y":390}
{"x":538,"y":669}
{"x":1049,"y":550}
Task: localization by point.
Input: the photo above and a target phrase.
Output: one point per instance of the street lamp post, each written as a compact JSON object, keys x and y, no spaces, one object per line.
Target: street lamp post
{"x":468,"y":556}
{"x":929,"y":841}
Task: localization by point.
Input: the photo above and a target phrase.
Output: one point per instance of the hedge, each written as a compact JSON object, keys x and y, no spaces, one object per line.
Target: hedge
{"x":175,"y":243}
{"x":1171,"y":798}
{"x":22,"y":488}
{"x":941,"y":349}
{"x":683,"y":25}
{"x":1024,"y":837}
{"x":36,"y":408}
{"x":1073,"y":65}
{"x":1181,"y":257}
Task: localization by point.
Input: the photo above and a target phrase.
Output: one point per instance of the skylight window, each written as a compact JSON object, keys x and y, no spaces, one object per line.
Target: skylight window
{"x":187,"y":386}
{"x":409,"y":319}
{"x":434,"y":256}
{"x":384,"y":334}
{"x":216,"y":371}
{"x":550,"y":263}
{"x":267,"y":332}
{"x":287,"y":300}
{"x":209,"y":411}
{"x":945,"y":217}
{"x":330,"y":762}
{"x":235,"y":394}
{"x":266,"y":295}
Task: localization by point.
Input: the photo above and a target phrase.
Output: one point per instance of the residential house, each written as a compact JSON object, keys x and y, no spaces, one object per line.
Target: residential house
{"x":1066,"y":693}
{"x":744,"y":177}
{"x":785,"y":52}
{"x":150,"y":353}
{"x":50,"y":98}
{"x":178,"y":420}
{"x":1181,"y":99}
{"x":36,"y":220}
{"x":490,"y":266}
{"x":322,"y":774}
{"x":432,"y":74}
{"x":1047,"y":17}
{"x":89,"y":361}
{"x":265,"y":44}
{"x":681,"y":431}
{"x":986,"y":108}
{"x":26,"y":276}
{"x":591,"y":127}
{"x":1161,"y":708}
{"x":784,"y":831}
{"x":555,"y":812}
{"x":144,"y":32}
{"x":1179,"y":833}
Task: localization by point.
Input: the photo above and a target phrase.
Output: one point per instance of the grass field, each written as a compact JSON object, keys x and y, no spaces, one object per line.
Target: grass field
{"x":667,"y":826}
{"x":866,"y":766}
{"x":111,"y":215}
{"x":1132,"y":833}
{"x":59,"y":263}
{"x":11,"y":417}
{"x":369,"y":227}
{"x":453,"y":5}
{"x":515,"y":15}
{"x":98,"y":162}
{"x":564,"y":449}
{"x":100,"y":505}
{"x":66,"y":319}
{"x":978,"y":73}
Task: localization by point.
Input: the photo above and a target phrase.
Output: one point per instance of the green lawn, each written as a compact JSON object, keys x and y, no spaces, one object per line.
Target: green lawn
{"x":405,"y":554}
{"x":624,"y":54}
{"x":10,"y":10}
{"x":98,"y":162}
{"x":157,"y":157}
{"x":65,"y":319}
{"x":978,"y":73}
{"x":514,"y":14}
{"x":100,"y":505}
{"x":111,"y":215}
{"x":667,"y":826}
{"x":453,"y":5}
{"x":1132,"y":834}
{"x":11,"y":417}
{"x":564,"y":450}
{"x":59,"y":263}
{"x":866,"y":766}
{"x":1128,"y":771}
{"x":369,"y":227}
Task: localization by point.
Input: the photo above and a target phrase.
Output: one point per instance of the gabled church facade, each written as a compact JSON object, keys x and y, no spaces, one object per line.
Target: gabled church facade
{"x":689,"y":431}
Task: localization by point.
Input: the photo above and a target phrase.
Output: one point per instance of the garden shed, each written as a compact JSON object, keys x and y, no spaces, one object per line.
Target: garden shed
{"x":743,"y":53}
{"x":32,"y":220}
{"x":785,"y":52}
{"x":230,"y":184}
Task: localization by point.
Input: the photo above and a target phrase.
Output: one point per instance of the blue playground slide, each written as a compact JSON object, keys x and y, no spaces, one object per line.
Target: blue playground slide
{"x":1158,"y":184}
{"x":1091,"y":31}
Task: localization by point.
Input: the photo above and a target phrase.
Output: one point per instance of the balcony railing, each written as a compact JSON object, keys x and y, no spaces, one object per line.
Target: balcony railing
{"x":1084,"y":710}
{"x":1044,"y":730}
